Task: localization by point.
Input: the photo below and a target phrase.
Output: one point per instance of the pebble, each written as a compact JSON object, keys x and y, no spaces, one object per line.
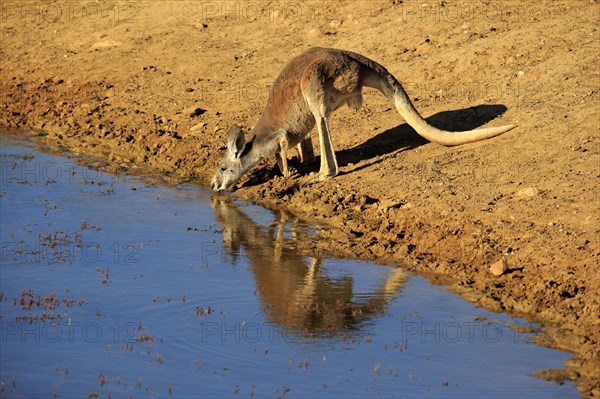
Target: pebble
{"x":197,"y":127}
{"x":526,"y":192}
{"x":314,"y":33}
{"x":335,"y":23}
{"x":104,"y":44}
{"x":388,"y":204}
{"x":193,"y":111}
{"x":498,"y":268}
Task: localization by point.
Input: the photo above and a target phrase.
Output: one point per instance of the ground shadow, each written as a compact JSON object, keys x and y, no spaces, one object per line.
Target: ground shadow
{"x":403,"y":137}
{"x":399,"y":138}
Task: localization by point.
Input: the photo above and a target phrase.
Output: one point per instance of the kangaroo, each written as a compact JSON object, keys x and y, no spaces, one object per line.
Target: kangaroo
{"x":312,"y":86}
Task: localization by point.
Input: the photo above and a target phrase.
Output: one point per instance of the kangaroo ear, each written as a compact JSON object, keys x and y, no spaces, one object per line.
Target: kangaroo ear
{"x":235,"y":141}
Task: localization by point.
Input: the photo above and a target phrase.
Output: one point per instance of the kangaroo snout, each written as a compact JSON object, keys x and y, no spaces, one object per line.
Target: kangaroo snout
{"x":216,"y":185}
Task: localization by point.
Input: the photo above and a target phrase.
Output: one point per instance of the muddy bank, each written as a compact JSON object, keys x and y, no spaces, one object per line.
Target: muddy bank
{"x":153,"y":87}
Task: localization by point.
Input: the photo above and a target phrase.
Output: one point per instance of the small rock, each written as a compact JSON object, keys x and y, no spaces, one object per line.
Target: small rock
{"x":193,"y":111}
{"x":335,"y":23}
{"x":358,"y":208}
{"x":366,"y":200}
{"x":105,"y":44}
{"x":499,"y":268}
{"x":197,"y":127}
{"x":526,"y":192}
{"x":314,"y":33}
{"x":389,"y":204}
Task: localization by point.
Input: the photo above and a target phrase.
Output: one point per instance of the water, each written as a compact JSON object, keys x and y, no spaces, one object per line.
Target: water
{"x":115,"y":287}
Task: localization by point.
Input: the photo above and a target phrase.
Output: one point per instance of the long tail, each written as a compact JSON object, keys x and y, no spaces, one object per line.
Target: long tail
{"x":379,"y":78}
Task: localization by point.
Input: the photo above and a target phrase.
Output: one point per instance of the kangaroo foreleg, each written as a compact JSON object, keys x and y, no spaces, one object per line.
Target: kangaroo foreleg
{"x":305,"y":150}
{"x":281,"y":157}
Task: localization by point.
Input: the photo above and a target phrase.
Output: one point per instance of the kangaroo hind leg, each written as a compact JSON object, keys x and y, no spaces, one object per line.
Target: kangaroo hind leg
{"x":329,"y":166}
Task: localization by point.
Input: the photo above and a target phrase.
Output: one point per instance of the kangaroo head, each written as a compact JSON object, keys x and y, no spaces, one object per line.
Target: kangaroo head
{"x":236,"y":163}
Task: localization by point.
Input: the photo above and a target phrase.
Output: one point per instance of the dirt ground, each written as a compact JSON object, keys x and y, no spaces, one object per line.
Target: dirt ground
{"x":152,"y":86}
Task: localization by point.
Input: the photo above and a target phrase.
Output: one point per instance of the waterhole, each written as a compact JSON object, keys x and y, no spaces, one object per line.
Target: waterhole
{"x":112,"y":287}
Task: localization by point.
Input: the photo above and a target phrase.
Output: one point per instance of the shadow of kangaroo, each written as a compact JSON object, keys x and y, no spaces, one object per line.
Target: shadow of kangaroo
{"x":295,"y":293}
{"x":404,"y":138}
{"x":312,"y":86}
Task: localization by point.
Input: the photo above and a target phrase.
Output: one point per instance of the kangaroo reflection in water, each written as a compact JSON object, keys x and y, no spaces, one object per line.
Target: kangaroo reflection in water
{"x":296,"y":292}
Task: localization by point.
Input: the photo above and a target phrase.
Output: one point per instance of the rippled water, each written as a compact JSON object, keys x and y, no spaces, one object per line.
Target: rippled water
{"x":115,"y":287}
